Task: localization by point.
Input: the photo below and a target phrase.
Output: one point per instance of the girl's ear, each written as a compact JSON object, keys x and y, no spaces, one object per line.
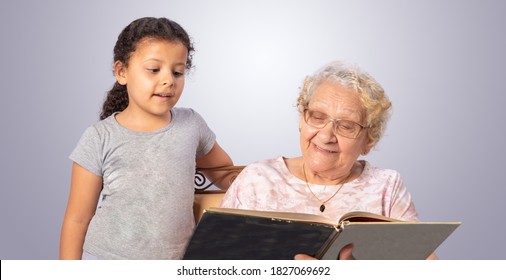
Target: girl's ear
{"x":120,"y":73}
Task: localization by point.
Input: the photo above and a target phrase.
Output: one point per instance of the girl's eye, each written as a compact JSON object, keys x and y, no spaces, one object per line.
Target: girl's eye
{"x":178,"y":74}
{"x":153,"y":70}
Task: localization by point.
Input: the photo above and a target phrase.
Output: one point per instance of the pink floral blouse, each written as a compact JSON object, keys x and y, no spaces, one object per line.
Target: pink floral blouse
{"x":268,"y":185}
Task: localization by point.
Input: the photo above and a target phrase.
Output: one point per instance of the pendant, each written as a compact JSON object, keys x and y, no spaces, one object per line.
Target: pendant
{"x":322,"y":208}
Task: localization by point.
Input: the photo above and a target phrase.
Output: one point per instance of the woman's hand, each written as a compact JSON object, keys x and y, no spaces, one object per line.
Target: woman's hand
{"x":345,"y":254}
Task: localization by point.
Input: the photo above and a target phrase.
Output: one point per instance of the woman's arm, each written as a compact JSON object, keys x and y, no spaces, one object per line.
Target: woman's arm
{"x":85,"y":188}
{"x":216,"y":157}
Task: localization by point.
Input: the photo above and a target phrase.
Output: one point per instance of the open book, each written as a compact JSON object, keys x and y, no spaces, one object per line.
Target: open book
{"x":225,"y":233}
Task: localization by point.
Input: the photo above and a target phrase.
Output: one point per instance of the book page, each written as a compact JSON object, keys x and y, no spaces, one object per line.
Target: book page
{"x":361,"y":216}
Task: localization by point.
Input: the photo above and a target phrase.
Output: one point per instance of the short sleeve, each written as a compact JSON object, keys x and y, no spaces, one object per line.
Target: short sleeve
{"x":88,"y":151}
{"x":207,"y":136}
{"x":401,"y":203}
{"x":243,"y":193}
{"x":230,"y":199}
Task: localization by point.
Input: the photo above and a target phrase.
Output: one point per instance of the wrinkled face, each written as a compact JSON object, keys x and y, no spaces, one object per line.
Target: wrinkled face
{"x":324,"y":151}
{"x":154,"y":77}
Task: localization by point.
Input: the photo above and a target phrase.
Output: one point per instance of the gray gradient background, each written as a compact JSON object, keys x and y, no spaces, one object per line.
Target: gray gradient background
{"x":441,"y":62}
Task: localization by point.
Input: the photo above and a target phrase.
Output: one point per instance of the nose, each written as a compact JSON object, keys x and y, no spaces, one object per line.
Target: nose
{"x":327,"y":132}
{"x":168,"y":80}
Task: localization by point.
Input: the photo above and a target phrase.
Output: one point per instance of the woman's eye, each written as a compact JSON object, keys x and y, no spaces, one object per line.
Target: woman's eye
{"x":317,"y":120}
{"x":320,"y":117}
{"x":344,"y":127}
{"x":347,"y":126}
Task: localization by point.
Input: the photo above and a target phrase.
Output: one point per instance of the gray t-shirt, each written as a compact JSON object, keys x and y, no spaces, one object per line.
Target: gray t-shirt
{"x":147,"y":197}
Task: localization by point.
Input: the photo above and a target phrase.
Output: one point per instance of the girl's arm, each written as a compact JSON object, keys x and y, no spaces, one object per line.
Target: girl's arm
{"x":216,"y":157}
{"x":85,"y":188}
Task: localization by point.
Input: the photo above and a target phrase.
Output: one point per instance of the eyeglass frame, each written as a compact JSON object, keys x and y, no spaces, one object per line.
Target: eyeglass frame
{"x":333,"y":121}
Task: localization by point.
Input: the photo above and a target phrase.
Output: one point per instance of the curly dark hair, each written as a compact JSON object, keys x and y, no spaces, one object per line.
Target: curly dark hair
{"x":128,"y":39}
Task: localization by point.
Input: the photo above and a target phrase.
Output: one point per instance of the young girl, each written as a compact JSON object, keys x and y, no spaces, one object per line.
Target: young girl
{"x":141,"y":157}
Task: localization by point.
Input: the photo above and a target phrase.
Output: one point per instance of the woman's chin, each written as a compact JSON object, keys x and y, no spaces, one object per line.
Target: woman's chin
{"x":320,"y":166}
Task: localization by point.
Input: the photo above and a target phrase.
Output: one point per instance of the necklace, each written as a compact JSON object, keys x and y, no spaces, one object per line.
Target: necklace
{"x":322,"y":207}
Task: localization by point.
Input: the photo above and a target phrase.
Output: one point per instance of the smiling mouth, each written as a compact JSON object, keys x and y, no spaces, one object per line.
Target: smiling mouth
{"x":324,"y":150}
{"x":163,"y":95}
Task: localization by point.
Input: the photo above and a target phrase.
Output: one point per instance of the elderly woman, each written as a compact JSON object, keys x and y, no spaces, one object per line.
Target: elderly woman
{"x":343,"y":113}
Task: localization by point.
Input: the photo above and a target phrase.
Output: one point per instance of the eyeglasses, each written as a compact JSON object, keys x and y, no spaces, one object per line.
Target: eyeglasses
{"x":345,"y":128}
